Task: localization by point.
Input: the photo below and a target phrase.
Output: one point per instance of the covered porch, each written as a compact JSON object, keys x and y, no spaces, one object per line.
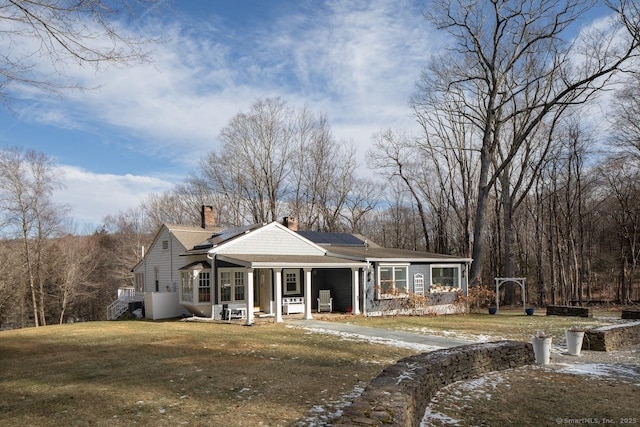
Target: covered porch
{"x":275,"y":277}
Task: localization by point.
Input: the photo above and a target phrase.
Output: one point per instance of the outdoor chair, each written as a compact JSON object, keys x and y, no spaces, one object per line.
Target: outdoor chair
{"x":325,"y":301}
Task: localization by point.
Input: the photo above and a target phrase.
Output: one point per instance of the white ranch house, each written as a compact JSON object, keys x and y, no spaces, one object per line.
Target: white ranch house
{"x":274,"y":270}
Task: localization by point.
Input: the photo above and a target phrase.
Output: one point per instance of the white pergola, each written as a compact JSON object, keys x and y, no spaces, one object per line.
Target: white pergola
{"x":518,"y":280}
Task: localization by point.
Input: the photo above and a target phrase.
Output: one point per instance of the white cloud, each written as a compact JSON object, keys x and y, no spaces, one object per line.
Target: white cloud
{"x":92,"y":196}
{"x":355,"y":62}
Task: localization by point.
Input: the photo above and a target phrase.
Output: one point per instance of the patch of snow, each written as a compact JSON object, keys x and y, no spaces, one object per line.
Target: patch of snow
{"x":457,"y":335}
{"x":324,"y":415}
{"x":407,"y":374}
{"x":376,"y":340}
{"x":430,"y":417}
{"x":621,"y":325}
{"x":629,"y":373}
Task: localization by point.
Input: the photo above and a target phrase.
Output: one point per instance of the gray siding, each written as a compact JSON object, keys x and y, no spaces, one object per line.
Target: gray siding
{"x":372,"y":304}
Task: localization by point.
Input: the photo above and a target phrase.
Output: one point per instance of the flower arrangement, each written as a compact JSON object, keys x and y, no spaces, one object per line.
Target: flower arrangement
{"x":437,"y":288}
{"x":542,"y":335}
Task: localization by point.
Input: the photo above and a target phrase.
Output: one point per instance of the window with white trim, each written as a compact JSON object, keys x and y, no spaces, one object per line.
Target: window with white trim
{"x":139,"y":282}
{"x":225,"y":285}
{"x":445,"y":276}
{"x":238,"y":286}
{"x":291,"y":281}
{"x":232,"y":285}
{"x":186,"y":286}
{"x":392,"y":281}
{"x":204,"y":286}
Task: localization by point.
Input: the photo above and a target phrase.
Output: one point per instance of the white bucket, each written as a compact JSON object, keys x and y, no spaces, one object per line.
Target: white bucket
{"x":542,"y":350}
{"x":574,"y":341}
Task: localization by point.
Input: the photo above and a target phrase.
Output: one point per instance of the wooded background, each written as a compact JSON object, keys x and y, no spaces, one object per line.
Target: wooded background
{"x":527,"y":160}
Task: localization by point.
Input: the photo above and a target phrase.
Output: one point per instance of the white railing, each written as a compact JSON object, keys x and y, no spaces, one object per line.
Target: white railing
{"x":117,"y":309}
{"x":127,"y":294}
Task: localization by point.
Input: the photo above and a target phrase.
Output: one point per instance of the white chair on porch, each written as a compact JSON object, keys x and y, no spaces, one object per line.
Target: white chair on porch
{"x":325,"y":301}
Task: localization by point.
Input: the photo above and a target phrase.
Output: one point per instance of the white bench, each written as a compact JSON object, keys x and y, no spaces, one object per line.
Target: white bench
{"x":235,"y":312}
{"x":292,"y":305}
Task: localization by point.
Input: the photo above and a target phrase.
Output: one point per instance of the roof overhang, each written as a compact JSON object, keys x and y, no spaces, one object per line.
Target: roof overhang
{"x":198,"y":265}
{"x":392,"y":259}
{"x":290,"y":261}
{"x":424,"y":260}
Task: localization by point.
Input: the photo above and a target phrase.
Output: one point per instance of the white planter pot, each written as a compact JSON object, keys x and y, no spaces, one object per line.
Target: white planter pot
{"x":542,"y":350}
{"x":574,"y":341}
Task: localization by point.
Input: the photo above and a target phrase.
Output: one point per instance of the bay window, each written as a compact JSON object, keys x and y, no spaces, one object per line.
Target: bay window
{"x":186,"y":286}
{"x":195,"y":284}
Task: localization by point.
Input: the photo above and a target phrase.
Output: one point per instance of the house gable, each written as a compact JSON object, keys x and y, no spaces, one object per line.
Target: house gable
{"x":163,"y":256}
{"x":272,"y":239}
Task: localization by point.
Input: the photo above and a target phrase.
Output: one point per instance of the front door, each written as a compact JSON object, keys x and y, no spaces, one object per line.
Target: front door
{"x":265,"y":294}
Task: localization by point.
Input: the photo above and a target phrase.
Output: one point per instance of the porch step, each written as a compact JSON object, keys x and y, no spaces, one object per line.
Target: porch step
{"x":117,"y":309}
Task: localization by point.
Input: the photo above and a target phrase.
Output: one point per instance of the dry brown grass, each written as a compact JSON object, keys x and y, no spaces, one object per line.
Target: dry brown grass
{"x":534,"y":396}
{"x":507,"y":324}
{"x":211,"y":374}
{"x":173,"y":373}
{"x":531,"y":395}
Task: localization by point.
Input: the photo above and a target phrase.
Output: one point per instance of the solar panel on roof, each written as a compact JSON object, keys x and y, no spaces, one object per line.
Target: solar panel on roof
{"x":225,"y":235}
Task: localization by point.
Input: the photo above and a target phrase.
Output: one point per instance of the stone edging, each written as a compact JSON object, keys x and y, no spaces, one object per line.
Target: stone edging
{"x":400,"y":395}
{"x":569,"y":310}
{"x":612,"y":337}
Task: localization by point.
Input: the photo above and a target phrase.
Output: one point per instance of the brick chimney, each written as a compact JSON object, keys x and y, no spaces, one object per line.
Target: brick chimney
{"x":208,"y":217}
{"x":290,"y":223}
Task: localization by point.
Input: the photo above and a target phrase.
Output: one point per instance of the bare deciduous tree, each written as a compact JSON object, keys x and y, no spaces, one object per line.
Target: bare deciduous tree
{"x":63,"y":32}
{"x":276,"y":161}
{"x":623,"y":179}
{"x":27,"y":181}
{"x":511,"y":69}
{"x":626,"y":118}
{"x":76,"y":257}
{"x":395,"y":157}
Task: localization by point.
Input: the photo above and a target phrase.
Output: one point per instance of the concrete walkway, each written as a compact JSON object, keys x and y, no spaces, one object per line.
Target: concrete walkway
{"x":380,"y":336}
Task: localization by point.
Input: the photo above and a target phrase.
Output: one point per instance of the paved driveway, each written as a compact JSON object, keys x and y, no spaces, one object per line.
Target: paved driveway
{"x":381,"y":336}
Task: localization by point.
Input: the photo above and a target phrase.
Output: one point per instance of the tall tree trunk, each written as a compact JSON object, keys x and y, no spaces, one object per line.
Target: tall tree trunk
{"x":508,"y":266}
{"x":538,"y":212}
{"x":478,"y":253}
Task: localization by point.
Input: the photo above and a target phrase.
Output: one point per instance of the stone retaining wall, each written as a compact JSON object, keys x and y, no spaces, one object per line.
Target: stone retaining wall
{"x":400,"y":395}
{"x":567,"y":310}
{"x":614,"y":337}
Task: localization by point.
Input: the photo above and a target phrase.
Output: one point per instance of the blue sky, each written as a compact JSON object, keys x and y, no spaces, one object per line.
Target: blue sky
{"x":147,"y":125}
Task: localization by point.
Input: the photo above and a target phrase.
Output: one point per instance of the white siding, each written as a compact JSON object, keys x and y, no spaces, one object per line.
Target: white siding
{"x":271,"y":240}
{"x":167,"y":261}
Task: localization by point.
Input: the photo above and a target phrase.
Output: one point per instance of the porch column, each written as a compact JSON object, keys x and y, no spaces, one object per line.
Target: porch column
{"x":307,"y":294}
{"x":249,"y":297}
{"x":278,"y":295}
{"x":355,"y":291}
